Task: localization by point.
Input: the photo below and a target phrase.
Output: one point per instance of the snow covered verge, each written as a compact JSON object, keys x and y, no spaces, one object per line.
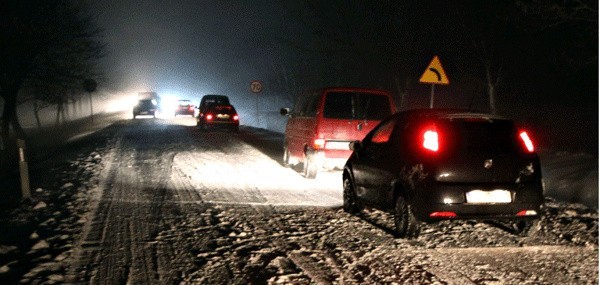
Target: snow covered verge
{"x":262,"y":244}
{"x":571,"y":177}
{"x":37,"y":237}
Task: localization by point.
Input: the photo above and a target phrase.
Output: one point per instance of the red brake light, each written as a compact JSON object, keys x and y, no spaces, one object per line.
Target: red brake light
{"x":431,"y":140}
{"x":236,"y":117}
{"x":527,"y":141}
{"x":209,"y":117}
{"x":442,"y":215}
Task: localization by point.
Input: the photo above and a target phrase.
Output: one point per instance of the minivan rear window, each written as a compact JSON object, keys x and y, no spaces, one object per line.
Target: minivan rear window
{"x":357,"y":106}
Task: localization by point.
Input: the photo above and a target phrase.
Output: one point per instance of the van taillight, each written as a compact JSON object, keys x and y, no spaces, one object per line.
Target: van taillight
{"x":209,"y":117}
{"x":526,"y":141}
{"x":236,"y":117}
{"x":431,"y":140}
{"x":319,"y":143}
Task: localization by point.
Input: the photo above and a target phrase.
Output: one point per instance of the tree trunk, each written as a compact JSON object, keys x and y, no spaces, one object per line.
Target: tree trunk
{"x":59,"y":107}
{"x":36,"y":113}
{"x":492,"y":96}
{"x":8,"y":148}
{"x":402,"y":90}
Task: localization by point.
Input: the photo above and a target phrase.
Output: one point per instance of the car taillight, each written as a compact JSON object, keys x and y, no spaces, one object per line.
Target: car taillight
{"x":209,"y":117}
{"x":236,"y":117}
{"x":442,"y":215}
{"x":526,"y":141}
{"x":319,"y":143}
{"x":527,"y":213}
{"x":431,"y":140}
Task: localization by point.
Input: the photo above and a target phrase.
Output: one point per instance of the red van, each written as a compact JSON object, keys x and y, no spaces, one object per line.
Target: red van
{"x":323,"y":122}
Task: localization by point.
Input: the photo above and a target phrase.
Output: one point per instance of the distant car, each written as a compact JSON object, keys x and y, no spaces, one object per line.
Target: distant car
{"x":219,"y":116}
{"x":145,"y":107}
{"x":185,"y":107}
{"x":431,"y":165}
{"x":323,"y":122}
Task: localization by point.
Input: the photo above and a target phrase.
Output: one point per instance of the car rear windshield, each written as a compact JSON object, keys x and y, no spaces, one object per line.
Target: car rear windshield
{"x":482,"y":135}
{"x":145,"y":103}
{"x":358,"y":106}
{"x":222,"y":109}
{"x":216,"y":100}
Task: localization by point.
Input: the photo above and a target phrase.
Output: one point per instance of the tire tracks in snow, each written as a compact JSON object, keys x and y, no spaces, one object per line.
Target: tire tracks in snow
{"x":119,"y":245}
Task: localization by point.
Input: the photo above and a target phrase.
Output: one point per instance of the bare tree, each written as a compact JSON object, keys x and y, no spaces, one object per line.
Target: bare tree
{"x":43,"y":43}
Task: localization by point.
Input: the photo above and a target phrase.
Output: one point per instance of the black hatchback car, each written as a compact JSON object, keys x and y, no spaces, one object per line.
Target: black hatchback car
{"x":431,"y":165}
{"x":145,"y":107}
{"x":219,"y":116}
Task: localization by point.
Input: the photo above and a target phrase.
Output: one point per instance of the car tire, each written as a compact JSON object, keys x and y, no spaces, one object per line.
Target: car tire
{"x":405,"y":222}
{"x":286,"y":157}
{"x":309,"y":169}
{"x":351,"y":204}
{"x":524,"y":228}
{"x":235,"y":129}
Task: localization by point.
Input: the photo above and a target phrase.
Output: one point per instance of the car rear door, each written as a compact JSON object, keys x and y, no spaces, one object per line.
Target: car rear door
{"x":376,"y":168}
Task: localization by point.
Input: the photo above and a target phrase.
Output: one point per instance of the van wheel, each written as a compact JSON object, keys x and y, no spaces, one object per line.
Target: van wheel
{"x":406,"y":224}
{"x":286,"y":157}
{"x":309,"y":168}
{"x":351,"y":204}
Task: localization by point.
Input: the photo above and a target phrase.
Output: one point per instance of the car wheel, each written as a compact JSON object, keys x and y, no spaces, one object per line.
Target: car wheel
{"x":309,"y":168}
{"x":286,"y":157}
{"x":523,"y":228}
{"x":351,"y":204}
{"x":406,"y":224}
{"x":235,"y":129}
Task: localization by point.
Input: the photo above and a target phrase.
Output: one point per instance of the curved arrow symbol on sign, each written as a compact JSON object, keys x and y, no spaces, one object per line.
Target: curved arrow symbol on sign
{"x":439,"y":76}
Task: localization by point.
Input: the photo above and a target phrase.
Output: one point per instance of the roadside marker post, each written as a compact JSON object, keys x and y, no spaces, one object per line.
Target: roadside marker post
{"x":23,"y":171}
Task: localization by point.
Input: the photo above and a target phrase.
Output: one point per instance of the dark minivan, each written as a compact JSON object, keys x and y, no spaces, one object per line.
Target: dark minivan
{"x":431,"y":165}
{"x":323,"y":122}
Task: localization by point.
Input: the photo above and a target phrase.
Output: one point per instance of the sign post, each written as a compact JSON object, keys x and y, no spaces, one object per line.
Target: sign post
{"x":256,"y":87}
{"x":434,"y":74}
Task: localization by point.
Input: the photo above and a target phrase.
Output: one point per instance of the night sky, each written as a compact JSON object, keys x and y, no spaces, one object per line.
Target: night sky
{"x":187,"y":47}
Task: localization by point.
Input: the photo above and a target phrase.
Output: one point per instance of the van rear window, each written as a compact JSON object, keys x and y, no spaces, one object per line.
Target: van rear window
{"x":357,"y":106}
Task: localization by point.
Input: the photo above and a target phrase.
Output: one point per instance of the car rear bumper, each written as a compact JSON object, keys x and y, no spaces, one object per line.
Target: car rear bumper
{"x":448,"y":201}
{"x":331,"y":159}
{"x":221,"y":124}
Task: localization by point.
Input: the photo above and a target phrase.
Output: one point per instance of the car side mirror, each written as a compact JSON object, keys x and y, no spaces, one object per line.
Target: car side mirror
{"x":356,"y":145}
{"x":284,"y":111}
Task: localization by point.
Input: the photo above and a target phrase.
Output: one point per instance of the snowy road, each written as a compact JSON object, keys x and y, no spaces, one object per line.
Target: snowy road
{"x":176,"y":205}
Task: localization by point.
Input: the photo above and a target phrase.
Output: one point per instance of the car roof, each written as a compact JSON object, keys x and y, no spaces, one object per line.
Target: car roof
{"x":208,"y":96}
{"x":448,"y":114}
{"x":348,"y":89}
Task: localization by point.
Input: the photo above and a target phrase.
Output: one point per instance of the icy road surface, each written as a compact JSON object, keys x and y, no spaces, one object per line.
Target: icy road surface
{"x":174,"y":205}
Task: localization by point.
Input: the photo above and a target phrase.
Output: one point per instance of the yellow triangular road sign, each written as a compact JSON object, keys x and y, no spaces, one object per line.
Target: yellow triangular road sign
{"x":434,"y":74}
